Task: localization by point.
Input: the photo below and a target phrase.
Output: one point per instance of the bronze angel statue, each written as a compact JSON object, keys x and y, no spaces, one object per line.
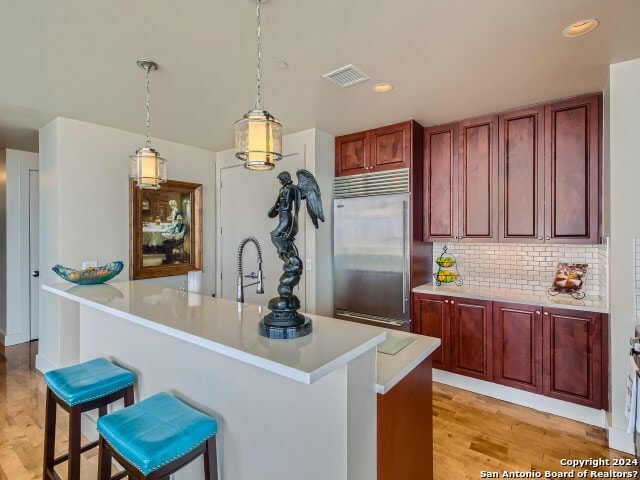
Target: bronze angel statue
{"x":284,"y":321}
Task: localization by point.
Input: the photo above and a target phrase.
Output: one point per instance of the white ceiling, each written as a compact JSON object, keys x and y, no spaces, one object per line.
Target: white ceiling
{"x":447,"y":60}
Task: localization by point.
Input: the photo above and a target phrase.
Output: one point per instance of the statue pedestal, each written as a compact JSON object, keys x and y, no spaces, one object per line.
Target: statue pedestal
{"x":284,"y":324}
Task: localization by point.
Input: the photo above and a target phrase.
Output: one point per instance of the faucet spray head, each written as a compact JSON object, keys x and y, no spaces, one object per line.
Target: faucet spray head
{"x":260,"y":285}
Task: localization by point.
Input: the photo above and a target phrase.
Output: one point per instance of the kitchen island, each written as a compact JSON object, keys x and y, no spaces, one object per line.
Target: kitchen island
{"x":301,"y":408}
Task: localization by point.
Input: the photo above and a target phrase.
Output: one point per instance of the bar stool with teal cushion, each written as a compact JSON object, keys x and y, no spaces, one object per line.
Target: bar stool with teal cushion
{"x":77,"y":389}
{"x":156,"y":437}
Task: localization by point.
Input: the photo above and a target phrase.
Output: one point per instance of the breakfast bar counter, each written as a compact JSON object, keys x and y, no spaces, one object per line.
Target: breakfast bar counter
{"x":299,"y":408}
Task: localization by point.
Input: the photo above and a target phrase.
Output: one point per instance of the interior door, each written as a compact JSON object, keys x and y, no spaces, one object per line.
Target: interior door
{"x":34,"y":218}
{"x":245,"y":198}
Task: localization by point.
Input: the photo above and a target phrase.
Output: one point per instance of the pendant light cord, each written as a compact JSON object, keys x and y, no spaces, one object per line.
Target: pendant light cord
{"x":258,"y":105}
{"x":148,"y":143}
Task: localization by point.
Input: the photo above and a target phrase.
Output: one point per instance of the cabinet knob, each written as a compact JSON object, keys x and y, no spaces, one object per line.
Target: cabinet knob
{"x":460,"y":237}
{"x":547,"y":238}
{"x":546,"y":313}
{"x":452,"y":302}
{"x":537,"y":312}
{"x":456,"y":237}
{"x":446,"y":301}
{"x":540,"y":237}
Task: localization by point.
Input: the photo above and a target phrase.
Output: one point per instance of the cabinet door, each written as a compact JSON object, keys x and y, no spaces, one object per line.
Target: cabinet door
{"x":352,"y":153}
{"x":572,"y":166}
{"x":471,"y":338}
{"x":572,"y":356}
{"x":440,"y":183}
{"x":478,"y":180}
{"x":517,"y":346}
{"x":521,"y":174}
{"x":432,"y":314}
{"x":391,"y":147}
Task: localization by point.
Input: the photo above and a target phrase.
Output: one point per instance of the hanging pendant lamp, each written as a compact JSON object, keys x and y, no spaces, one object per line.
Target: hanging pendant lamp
{"x":148,"y":168}
{"x":258,"y":133}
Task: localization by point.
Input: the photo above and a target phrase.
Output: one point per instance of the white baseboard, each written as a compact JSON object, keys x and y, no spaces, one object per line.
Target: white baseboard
{"x":621,"y":440}
{"x":15,"y":339}
{"x":43,"y":365}
{"x":526,"y":399}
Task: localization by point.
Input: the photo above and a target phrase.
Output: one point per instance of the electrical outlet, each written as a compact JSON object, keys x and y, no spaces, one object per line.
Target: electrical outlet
{"x":89,"y":264}
{"x":308,"y":265}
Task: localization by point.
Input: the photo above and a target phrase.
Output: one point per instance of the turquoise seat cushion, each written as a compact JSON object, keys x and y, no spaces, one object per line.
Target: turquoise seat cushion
{"x":88,"y":381}
{"x":156,"y":431}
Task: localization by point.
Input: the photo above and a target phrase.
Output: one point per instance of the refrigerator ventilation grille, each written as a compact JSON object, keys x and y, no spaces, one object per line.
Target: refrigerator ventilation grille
{"x":367,"y":184}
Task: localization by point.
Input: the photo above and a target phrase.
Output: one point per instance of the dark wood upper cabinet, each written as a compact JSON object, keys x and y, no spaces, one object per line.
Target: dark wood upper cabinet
{"x":471,"y":338}
{"x":521,"y":173}
{"x":431,"y":313}
{"x":517,"y":346}
{"x":573,"y":356}
{"x":391,"y":147}
{"x":384,"y":148}
{"x":478,"y":179}
{"x":461,"y":181}
{"x":352,"y":153}
{"x":440,"y":183}
{"x":528,"y":175}
{"x":572,"y":177}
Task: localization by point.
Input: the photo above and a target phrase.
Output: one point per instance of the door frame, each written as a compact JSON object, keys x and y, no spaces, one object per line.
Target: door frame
{"x":18,"y":275}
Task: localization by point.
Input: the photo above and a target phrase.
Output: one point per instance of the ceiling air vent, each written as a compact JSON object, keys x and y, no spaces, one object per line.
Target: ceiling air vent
{"x":346,"y":76}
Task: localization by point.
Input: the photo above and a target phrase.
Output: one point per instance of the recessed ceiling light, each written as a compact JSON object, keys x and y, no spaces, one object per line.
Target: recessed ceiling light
{"x":382,"y":87}
{"x":280,"y":64}
{"x":580,"y":28}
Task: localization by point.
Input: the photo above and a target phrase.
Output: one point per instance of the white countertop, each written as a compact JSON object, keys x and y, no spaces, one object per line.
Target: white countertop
{"x":393,"y":368}
{"x":229,"y":328}
{"x":589,"y":303}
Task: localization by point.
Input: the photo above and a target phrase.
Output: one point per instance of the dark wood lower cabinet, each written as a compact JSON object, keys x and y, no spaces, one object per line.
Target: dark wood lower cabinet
{"x":573,"y":356}
{"x":517,"y":346}
{"x":405,"y":428}
{"x":431,"y":314}
{"x":560,"y":353}
{"x":471,"y":339}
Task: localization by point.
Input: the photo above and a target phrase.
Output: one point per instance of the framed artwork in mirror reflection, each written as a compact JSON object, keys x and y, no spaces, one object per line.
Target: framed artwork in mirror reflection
{"x":165,"y":230}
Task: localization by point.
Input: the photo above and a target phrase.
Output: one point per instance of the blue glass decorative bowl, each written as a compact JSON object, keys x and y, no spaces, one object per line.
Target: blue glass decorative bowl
{"x":89,"y":276}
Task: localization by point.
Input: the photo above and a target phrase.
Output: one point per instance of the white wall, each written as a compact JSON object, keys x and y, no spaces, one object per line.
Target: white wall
{"x":14,"y":253}
{"x":84,"y":212}
{"x":624,"y":223}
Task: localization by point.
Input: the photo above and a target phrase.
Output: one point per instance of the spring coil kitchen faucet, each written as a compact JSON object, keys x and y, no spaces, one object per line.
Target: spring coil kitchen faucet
{"x":253,"y":275}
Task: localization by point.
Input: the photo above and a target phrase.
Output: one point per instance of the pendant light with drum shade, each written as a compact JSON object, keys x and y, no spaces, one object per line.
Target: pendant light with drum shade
{"x":258,"y":135}
{"x":148,"y":168}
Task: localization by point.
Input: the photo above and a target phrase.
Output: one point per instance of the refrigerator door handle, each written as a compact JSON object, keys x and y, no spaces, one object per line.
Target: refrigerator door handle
{"x":405,"y":254}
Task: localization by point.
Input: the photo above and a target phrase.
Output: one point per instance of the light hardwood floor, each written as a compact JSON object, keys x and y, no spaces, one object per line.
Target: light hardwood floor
{"x":472,"y":433}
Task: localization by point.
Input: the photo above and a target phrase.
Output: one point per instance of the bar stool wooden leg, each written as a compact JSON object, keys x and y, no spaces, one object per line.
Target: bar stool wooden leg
{"x":211,"y":460}
{"x":104,"y":461}
{"x":75,"y":442}
{"x":128,"y":396}
{"x":49,"y":435}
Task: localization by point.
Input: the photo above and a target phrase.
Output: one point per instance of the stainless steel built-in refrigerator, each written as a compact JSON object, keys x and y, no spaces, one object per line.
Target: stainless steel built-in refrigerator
{"x":371,"y":249}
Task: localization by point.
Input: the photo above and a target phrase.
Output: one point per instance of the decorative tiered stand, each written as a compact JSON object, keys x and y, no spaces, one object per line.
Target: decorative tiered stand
{"x":447,"y":271}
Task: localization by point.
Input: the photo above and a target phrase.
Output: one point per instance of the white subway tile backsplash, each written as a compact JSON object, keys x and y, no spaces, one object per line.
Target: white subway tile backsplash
{"x":529,"y":267}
